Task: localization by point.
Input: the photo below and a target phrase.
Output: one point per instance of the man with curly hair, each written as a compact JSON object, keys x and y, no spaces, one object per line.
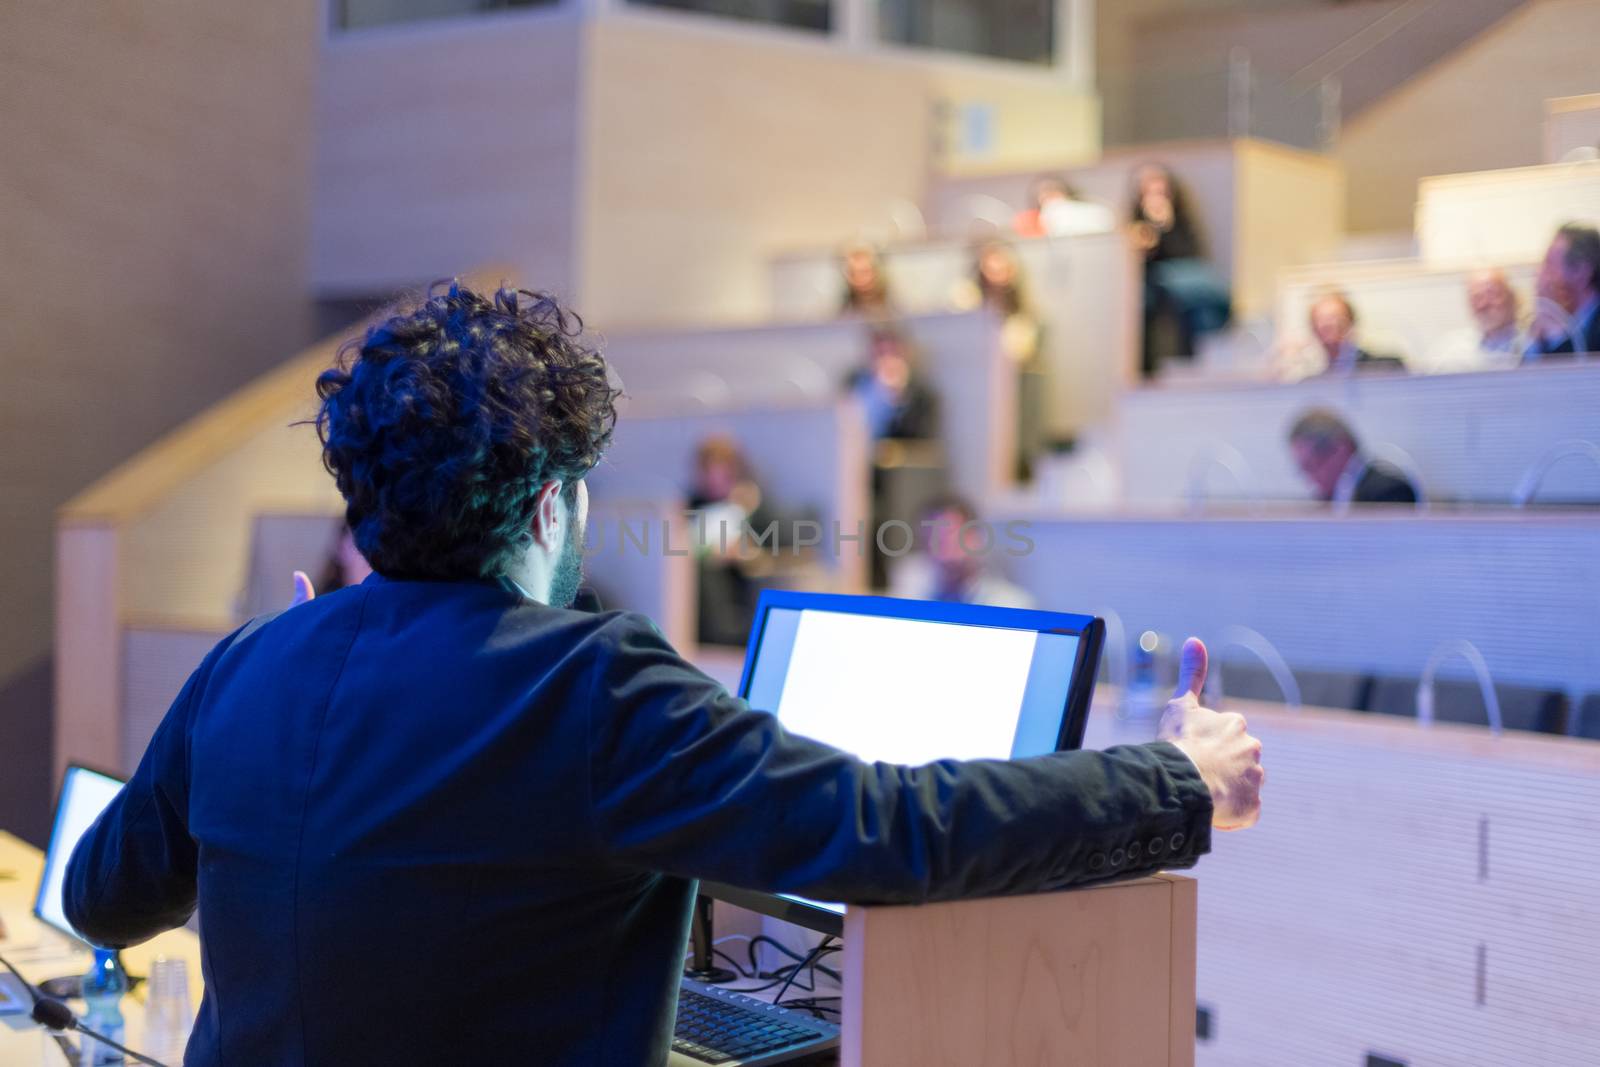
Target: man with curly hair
{"x":438,"y":817}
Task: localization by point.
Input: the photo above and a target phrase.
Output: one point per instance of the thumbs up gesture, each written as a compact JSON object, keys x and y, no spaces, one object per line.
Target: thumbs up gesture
{"x":1228,"y":758}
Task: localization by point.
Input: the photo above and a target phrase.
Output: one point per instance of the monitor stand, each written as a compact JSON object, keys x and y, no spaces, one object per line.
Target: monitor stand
{"x":702,"y":966}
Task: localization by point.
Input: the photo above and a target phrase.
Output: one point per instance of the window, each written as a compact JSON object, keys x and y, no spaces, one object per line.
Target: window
{"x":814,"y":15}
{"x":355,"y":14}
{"x":1004,"y":29}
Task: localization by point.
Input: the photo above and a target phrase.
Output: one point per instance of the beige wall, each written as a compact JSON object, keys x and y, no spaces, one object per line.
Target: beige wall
{"x":708,"y":149}
{"x":1288,"y":210}
{"x":1481,"y":109}
{"x":154,"y":215}
{"x":445,"y":145}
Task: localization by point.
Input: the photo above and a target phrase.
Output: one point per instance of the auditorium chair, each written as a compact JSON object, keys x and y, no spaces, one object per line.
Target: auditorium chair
{"x":1318,"y":689}
{"x":1522,"y":707}
{"x":1588,"y":721}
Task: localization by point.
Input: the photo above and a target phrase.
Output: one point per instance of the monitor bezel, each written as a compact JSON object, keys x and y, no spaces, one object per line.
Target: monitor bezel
{"x":50,"y":847}
{"x":1089,"y":630}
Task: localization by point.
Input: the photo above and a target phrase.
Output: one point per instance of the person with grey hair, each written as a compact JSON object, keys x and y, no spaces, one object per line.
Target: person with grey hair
{"x":1569,"y":280}
{"x":1327,"y":452}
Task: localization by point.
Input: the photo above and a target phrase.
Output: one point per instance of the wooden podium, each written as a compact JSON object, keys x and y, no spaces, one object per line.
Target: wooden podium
{"x":1096,"y":977}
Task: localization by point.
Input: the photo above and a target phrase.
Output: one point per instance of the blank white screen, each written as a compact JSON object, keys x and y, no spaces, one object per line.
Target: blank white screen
{"x":906,"y":690}
{"x":84,"y":796}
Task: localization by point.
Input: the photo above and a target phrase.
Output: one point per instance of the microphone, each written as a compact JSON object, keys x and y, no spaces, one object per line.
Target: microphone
{"x":54,"y":1014}
{"x":56,"y":1017}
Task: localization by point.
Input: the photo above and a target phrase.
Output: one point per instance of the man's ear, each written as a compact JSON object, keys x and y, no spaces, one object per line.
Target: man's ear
{"x":547,"y":516}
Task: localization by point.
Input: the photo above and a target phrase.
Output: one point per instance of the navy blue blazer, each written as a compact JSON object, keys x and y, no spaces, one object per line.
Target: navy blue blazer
{"x":433,"y":822}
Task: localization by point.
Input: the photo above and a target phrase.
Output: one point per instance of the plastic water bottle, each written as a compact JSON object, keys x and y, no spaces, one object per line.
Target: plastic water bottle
{"x":103,"y":988}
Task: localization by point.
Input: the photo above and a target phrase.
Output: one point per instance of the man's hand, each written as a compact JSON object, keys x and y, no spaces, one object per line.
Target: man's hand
{"x":1229,"y":759}
{"x":302,"y":589}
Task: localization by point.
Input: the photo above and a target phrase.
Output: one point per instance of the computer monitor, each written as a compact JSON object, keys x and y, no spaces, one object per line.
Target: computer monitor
{"x":908,"y":681}
{"x":84,"y":795}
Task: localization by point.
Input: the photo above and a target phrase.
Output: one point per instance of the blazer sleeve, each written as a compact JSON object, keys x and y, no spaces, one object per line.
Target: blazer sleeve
{"x":688,"y":780}
{"x":133,"y":872}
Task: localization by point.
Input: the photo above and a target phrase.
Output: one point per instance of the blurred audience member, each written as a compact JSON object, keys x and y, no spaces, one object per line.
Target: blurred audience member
{"x":1496,"y":340}
{"x":1495,"y":311}
{"x":997,"y":284}
{"x":951,"y":563}
{"x":1179,"y":285}
{"x":1568,"y":288}
{"x":725,"y":502}
{"x":866,"y":285}
{"x":345,"y":564}
{"x":1056,"y":210}
{"x":1327,"y":452}
{"x":1333,"y":325}
{"x":899,"y":403}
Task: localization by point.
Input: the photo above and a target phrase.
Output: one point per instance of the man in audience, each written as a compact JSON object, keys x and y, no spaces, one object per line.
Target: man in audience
{"x":900,"y":405}
{"x":953,"y":562}
{"x":444,"y":772}
{"x":1326,"y":450}
{"x":1498,"y":340}
{"x":1568,"y":286}
{"x":725,"y":501}
{"x":1333,"y":322}
{"x":1494,"y":310}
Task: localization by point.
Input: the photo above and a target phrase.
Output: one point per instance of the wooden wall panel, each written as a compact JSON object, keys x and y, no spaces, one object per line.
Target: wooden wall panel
{"x":722,"y":368}
{"x":1480,"y":108}
{"x":1353,"y":918}
{"x":443,"y":145}
{"x":1368,"y":593}
{"x":153,"y":243}
{"x":1088,"y":291}
{"x":1571,"y":124}
{"x":1473,"y":436}
{"x":1503,"y":216}
{"x":1404,"y":307}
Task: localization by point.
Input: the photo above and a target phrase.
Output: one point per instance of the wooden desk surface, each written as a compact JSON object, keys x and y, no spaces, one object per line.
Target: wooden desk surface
{"x":39,"y":952}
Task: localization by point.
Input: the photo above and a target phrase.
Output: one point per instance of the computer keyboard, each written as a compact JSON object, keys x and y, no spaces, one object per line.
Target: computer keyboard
{"x":729,"y":1029}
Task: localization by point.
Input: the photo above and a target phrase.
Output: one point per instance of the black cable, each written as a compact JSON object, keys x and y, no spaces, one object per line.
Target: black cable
{"x":738,"y":968}
{"x":815,"y":1006}
{"x":799,"y":958}
{"x":815,"y":955}
{"x":27,"y":986}
{"x":57,"y":1017}
{"x":33,"y":994}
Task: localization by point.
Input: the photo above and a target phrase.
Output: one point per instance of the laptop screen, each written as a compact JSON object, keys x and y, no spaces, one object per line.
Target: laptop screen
{"x":910,"y":682}
{"x":84,"y":795}
{"x":908,"y":690}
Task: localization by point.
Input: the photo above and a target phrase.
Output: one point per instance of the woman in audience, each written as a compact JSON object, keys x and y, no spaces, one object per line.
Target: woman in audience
{"x":1180,"y":287}
{"x":997,"y":284}
{"x":899,"y":404}
{"x":866,"y":286}
{"x":1056,"y":210}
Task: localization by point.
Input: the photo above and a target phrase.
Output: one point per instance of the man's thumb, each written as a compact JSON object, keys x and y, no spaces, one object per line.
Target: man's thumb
{"x":1191,"y":669}
{"x":302,"y":588}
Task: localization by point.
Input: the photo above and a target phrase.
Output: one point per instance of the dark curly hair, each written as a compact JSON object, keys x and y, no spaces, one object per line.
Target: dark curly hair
{"x":441,"y":424}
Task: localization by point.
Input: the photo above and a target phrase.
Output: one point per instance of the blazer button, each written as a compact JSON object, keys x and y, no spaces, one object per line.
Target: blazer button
{"x":1118,"y":857}
{"x":1097,"y":861}
{"x":1175,"y":842}
{"x":1135,"y":850}
{"x":1155,"y":846}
